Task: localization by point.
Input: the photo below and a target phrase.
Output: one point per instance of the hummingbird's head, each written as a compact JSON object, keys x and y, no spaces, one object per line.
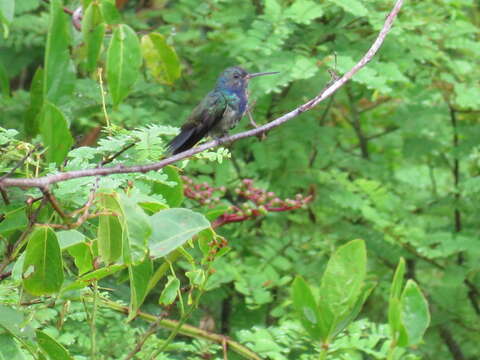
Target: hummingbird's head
{"x":236,"y":78}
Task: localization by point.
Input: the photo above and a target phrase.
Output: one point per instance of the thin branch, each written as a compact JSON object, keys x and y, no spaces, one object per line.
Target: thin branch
{"x":21,"y":240}
{"x":122,"y":169}
{"x":117,"y":154}
{"x":141,"y":341}
{"x":189,"y":330}
{"x":357,"y":126}
{"x":53,"y":200}
{"x":450,"y":342}
{"x":4,"y":196}
{"x":20,"y":163}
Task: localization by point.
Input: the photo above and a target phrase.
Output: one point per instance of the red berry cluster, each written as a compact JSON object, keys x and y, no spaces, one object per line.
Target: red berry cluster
{"x":256,"y":202}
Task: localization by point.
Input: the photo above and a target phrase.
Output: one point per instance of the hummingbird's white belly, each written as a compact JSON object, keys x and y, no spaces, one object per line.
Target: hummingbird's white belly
{"x":229,"y":120}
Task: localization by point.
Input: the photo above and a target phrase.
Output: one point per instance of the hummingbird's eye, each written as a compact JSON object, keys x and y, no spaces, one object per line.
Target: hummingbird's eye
{"x":236,"y":76}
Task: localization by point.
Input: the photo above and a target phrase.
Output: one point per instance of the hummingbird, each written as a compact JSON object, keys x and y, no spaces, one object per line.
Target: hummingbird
{"x":219,"y":111}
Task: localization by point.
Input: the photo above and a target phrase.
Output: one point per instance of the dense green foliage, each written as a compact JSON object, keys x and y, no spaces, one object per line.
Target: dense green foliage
{"x":393,"y":158}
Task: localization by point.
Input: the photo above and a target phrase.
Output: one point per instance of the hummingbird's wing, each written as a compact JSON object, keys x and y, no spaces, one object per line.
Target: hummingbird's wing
{"x":203,"y":118}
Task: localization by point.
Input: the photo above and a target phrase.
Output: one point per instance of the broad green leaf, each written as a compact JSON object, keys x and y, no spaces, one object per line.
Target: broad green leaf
{"x":139,"y":278}
{"x":36,"y":104}
{"x":55,"y":133}
{"x":59,"y":74}
{"x":82,"y":256}
{"x":43,"y":267}
{"x":170,"y":291}
{"x":11,"y":320}
{"x":342,"y":283}
{"x":197,"y":277}
{"x":307,"y":309}
{"x":397,"y":283}
{"x":51,"y":347}
{"x":7,"y":10}
{"x":160,"y":58}
{"x":96,"y":275}
{"x":204,"y":239}
{"x":415,"y":315}
{"x":93,"y":30}
{"x":172,"y":228}
{"x":172,"y":194}
{"x":74,"y":243}
{"x":9,"y":349}
{"x":397,"y":330}
{"x":110,"y":12}
{"x":14,"y":218}
{"x":366,"y":291}
{"x":110,"y":236}
{"x":4,"y":81}
{"x":18,"y":268}
{"x":86,"y":4}
{"x":137,"y":229}
{"x":123,"y":62}
{"x":69,"y":238}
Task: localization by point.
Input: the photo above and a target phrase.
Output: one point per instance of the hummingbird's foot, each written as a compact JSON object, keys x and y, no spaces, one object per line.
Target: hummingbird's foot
{"x":262,"y":136}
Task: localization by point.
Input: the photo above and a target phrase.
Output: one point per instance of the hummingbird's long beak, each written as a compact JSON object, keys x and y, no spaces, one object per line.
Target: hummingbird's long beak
{"x":249,"y":76}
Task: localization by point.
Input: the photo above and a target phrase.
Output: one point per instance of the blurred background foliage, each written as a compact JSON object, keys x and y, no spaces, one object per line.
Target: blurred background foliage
{"x":392,"y":158}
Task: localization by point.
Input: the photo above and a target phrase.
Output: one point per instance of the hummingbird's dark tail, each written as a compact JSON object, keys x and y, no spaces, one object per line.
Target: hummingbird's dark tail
{"x":187,"y":139}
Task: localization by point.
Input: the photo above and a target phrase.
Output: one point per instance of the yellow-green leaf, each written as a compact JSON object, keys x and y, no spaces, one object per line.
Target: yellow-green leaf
{"x":160,"y":58}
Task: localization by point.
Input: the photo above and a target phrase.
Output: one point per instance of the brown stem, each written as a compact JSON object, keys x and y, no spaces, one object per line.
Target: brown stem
{"x":457,"y":216}
{"x":122,"y":169}
{"x":53,"y":200}
{"x":357,"y":126}
{"x":452,"y":345}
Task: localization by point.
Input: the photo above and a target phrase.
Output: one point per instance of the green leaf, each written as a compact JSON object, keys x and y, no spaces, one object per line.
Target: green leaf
{"x":397,"y":283}
{"x":96,"y":275}
{"x":14,"y":218}
{"x":69,"y":238}
{"x":110,"y":235}
{"x":82,"y":256}
{"x":139,"y":278}
{"x":160,"y":58}
{"x":51,"y":347}
{"x":170,"y":291}
{"x":55,"y":133}
{"x":304,"y":11}
{"x":59,"y":74}
{"x":9,"y":348}
{"x":7,"y":10}
{"x":366,"y":291}
{"x":11,"y":320}
{"x":43,"y":267}
{"x":93,"y":30}
{"x":172,"y":194}
{"x":138,"y":229}
{"x":172,"y":228}
{"x":342,"y":283}
{"x":123,"y":62}
{"x":110,"y":12}
{"x":4,"y":81}
{"x":415,"y":315}
{"x":307,"y":309}
{"x":36,"y":104}
{"x":354,"y":7}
